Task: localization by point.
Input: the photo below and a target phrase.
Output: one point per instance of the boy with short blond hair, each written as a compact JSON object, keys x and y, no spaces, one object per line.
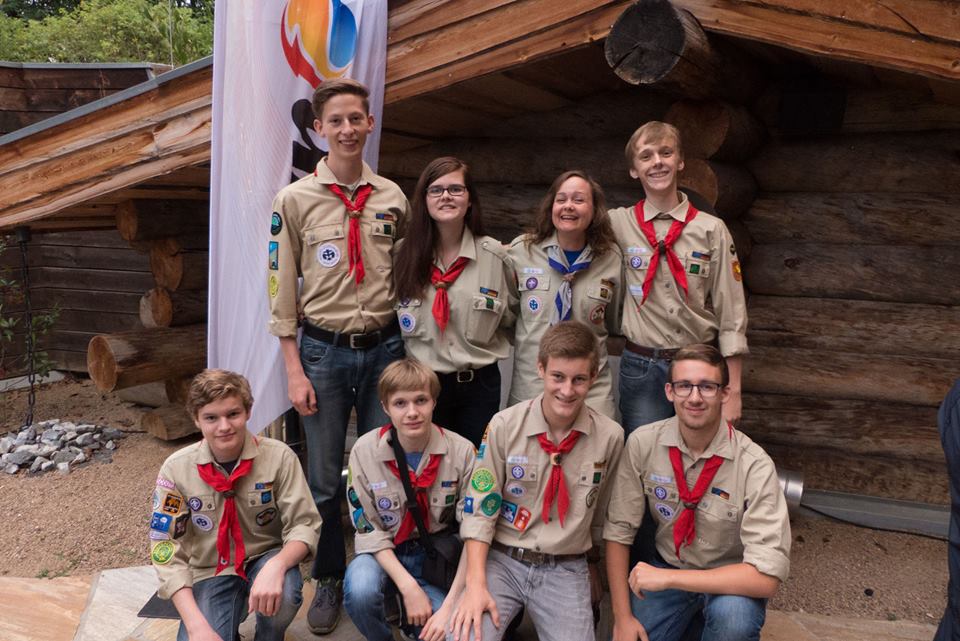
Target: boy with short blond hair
{"x":232,"y":520}
{"x":389,"y":550}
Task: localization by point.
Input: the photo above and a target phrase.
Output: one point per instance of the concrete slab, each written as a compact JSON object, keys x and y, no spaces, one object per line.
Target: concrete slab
{"x":45,"y":609}
{"x":117,"y":597}
{"x":781,"y":626}
{"x":825,"y":628}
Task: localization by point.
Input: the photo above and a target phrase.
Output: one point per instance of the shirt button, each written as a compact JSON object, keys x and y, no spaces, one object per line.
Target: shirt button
{"x":666,"y":285}
{"x":672,"y":310}
{"x":537,"y":548}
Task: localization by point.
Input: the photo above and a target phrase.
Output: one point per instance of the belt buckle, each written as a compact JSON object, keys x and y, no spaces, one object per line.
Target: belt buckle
{"x":465,"y":376}
{"x":357,"y":340}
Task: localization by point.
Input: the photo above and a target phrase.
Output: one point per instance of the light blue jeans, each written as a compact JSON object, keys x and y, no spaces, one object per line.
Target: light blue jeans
{"x":642,"y":399}
{"x":343,"y":379}
{"x":366,"y":583}
{"x":223,"y":602}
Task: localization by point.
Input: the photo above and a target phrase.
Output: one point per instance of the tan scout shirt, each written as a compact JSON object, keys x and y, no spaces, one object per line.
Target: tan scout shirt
{"x":376,"y":496}
{"x":742,"y":516}
{"x":714,"y":308}
{"x":505,"y":497}
{"x":274,"y":507}
{"x":597,"y":300}
{"x":309,"y":231}
{"x":479,"y":312}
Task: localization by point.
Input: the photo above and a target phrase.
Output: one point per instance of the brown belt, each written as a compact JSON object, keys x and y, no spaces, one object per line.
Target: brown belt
{"x":651,"y":352}
{"x":530,"y":557}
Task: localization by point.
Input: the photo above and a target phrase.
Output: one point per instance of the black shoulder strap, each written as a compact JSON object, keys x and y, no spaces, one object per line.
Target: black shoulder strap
{"x":411,"y":503}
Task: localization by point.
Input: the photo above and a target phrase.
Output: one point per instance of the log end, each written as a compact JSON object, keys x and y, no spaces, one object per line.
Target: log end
{"x":156,"y":308}
{"x":101,"y":365}
{"x":645,"y":42}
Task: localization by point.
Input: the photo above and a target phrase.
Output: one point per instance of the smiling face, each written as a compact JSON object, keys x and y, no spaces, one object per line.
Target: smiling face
{"x":573,"y":211}
{"x":445,"y":208}
{"x":345,"y":124}
{"x":566,"y":382}
{"x":656,"y":164}
{"x":223,"y":423}
{"x":695,"y":412}
{"x":411,"y":412}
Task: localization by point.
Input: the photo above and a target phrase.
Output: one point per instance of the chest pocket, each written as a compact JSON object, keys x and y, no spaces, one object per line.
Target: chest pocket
{"x":483,"y":319}
{"x":595,"y":303}
{"x":410,"y":316}
{"x":257,"y":498}
{"x":325,"y":244}
{"x":718,"y":522}
{"x":384,"y":230}
{"x":535,"y":296}
{"x":202,"y":503}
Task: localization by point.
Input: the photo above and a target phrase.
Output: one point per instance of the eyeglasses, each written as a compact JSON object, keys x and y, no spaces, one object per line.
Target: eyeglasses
{"x":683,"y":389}
{"x":436,"y":191}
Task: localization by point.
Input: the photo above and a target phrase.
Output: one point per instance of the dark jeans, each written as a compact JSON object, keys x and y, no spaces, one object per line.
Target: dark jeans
{"x":642,"y":397}
{"x":949,"y":422}
{"x":466,"y":408}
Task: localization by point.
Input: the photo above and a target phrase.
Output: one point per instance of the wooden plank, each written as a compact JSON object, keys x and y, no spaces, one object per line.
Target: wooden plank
{"x":93,"y":300}
{"x":105,"y":238}
{"x":58,"y":77}
{"x":13,"y":120}
{"x":49,"y":100}
{"x":68,"y":361}
{"x":585,"y":62}
{"x":864,"y":327}
{"x":99,"y":321}
{"x":102,"y":279}
{"x":84,"y":257}
{"x":898,"y":273}
{"x":873,"y":218}
{"x":421,"y":16}
{"x":915,"y":380}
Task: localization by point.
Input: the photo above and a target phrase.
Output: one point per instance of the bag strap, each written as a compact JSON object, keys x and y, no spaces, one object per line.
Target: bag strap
{"x":411,"y":503}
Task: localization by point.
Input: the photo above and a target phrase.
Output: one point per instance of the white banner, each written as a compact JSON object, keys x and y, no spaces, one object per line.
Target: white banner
{"x":268,"y":56}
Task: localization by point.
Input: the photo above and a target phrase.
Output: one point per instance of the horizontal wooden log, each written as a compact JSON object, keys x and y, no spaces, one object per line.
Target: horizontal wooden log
{"x":93,"y":279}
{"x":186,"y":270}
{"x":898,"y":273}
{"x":856,"y":218}
{"x":132,"y":358}
{"x":855,"y":428}
{"x":149,"y":394}
{"x":168,"y":423}
{"x":864,"y":327}
{"x":176,"y":244}
{"x":915,"y":380}
{"x":49,"y":100}
{"x":160,"y":307}
{"x":729,"y":188}
{"x":153,"y":219}
{"x":178,"y":389}
{"x":80,"y":256}
{"x":65,"y":77}
{"x":907,"y":162}
{"x":716,"y":130}
{"x":654,"y":42}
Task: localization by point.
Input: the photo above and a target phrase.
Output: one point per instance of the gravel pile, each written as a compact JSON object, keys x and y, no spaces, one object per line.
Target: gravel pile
{"x":55,"y":445}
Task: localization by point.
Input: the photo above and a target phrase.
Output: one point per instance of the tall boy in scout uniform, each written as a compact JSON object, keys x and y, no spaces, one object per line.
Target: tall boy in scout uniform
{"x":682,"y":277}
{"x":536,"y":501}
{"x":335,"y":228}
{"x":232,"y":520}
{"x":388,"y":547}
{"x":722,"y":531}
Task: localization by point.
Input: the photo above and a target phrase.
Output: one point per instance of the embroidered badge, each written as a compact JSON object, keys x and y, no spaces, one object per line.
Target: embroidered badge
{"x":516,"y":471}
{"x":508,"y":511}
{"x":486,"y":291}
{"x":276,"y":224}
{"x":352,"y":497}
{"x":274,"y":250}
{"x":636,"y":262}
{"x":517,"y":458}
{"x":522,"y":520}
{"x":660,"y":492}
{"x":490,"y":505}
{"x":408,"y":322}
{"x":273,"y":286}
{"x":481,"y":451}
{"x":515,"y":489}
{"x":657,"y":478}
{"x":158,"y":536}
{"x":163,"y":552}
{"x":665,"y":511}
{"x":482,"y":480}
{"x":389,"y":519}
{"x":721,"y":493}
{"x":597,"y":314}
{"x":534,"y":305}
{"x":384,"y":503}
{"x":160,"y":522}
{"x":267,"y":516}
{"x":202,"y":522}
{"x":328,"y":255}
{"x":592,"y":496}
{"x":468,"y":505}
{"x":737,"y":274}
{"x":162,"y":482}
{"x":531,"y":283}
{"x":156,"y":500}
{"x":195,"y":503}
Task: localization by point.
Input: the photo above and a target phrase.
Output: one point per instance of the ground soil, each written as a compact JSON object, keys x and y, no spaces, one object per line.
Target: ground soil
{"x":96,"y":518}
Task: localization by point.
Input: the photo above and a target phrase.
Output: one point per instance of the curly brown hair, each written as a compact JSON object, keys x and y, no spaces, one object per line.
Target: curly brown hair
{"x":599,"y":234}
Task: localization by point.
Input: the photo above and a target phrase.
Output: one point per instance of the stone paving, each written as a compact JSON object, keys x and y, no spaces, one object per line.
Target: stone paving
{"x":104,"y":607}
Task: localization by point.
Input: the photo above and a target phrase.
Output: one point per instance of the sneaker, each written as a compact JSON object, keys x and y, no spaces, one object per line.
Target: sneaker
{"x":324,"y":613}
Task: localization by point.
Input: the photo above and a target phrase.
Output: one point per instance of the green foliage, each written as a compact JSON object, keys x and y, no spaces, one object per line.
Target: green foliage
{"x":109,"y":31}
{"x":11,"y":295}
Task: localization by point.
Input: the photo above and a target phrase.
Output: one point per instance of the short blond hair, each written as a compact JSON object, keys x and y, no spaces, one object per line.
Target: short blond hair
{"x":407,"y":375}
{"x":654,"y":131}
{"x":569,"y":339}
{"x":339,"y":87}
{"x":214,"y":384}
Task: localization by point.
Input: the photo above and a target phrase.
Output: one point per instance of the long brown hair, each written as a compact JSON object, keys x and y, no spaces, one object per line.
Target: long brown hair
{"x":599,"y":234}
{"x":411,"y":267}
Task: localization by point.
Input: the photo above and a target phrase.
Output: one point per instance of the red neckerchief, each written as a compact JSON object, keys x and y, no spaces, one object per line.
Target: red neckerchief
{"x":229,"y":524}
{"x":442,"y":280}
{"x":556,"y":484}
{"x":420,"y":483}
{"x":663,"y":248}
{"x":354,"y":209}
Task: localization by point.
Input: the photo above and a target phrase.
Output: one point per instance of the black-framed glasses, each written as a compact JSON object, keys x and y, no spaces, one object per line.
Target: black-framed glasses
{"x":436,"y":191}
{"x":683,"y":389}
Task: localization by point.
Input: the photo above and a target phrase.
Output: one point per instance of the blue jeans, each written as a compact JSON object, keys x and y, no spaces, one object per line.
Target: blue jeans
{"x":642,"y":399}
{"x":667,"y":615}
{"x":223,"y":602}
{"x":366,"y":583}
{"x":343,"y":379}
{"x":948,"y":420}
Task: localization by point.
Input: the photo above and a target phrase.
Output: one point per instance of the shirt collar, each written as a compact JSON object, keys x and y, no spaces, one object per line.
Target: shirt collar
{"x":325,"y":177}
{"x":536,"y":422}
{"x":721,"y":445}
{"x":678,"y":213}
{"x":468,"y":248}
{"x":436,"y":445}
{"x":250,"y":450}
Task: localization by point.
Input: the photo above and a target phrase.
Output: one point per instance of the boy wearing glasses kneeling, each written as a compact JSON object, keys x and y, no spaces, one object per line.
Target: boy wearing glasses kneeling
{"x":722,"y":531}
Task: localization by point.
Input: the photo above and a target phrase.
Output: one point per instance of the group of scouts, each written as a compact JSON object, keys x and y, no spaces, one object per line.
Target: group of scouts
{"x":404,"y":312}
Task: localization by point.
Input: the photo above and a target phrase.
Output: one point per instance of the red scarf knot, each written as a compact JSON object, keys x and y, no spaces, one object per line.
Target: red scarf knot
{"x":556,"y":484}
{"x":354,"y":211}
{"x":664,"y":248}
{"x":441,"y":281}
{"x":685,"y":527}
{"x":229,"y":523}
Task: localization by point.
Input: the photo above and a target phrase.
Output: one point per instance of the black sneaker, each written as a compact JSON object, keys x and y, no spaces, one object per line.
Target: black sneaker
{"x":324,"y":613}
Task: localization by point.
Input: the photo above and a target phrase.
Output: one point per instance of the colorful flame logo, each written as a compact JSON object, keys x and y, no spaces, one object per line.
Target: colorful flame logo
{"x":319,"y":38}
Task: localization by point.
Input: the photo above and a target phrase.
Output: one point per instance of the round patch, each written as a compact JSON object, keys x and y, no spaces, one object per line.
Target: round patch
{"x":737,"y":274}
{"x":490,"y":505}
{"x":408,"y":322}
{"x":202,"y":522}
{"x":162,"y":552}
{"x":665,"y":511}
{"x":328,"y":254}
{"x":592,"y":496}
{"x":533,"y":304}
{"x":267,"y":516}
{"x":276,"y":224}
{"x":636,"y":262}
{"x":274,"y":284}
{"x":660,"y":492}
{"x":353,"y":498}
{"x":156,"y":500}
{"x":516,"y":489}
{"x":482,"y":480}
{"x":388,"y":518}
{"x":597,"y":314}
{"x":531,"y":283}
{"x":195,"y":503}
{"x":516,"y":471}
{"x":384,"y":503}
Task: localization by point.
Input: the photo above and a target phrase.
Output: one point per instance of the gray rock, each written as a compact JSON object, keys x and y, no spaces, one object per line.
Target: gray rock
{"x":6,"y":444}
{"x":112,"y":433}
{"x":28,"y":447}
{"x":20,"y":458}
{"x":11,"y":469}
{"x":84,"y":439}
{"x":49,"y":422}
{"x":70,"y":436}
{"x":52,"y":434}
{"x":63,"y":457}
{"x":37,"y":465}
{"x":67,"y":426}
{"x":93,"y":446}
{"x":79,"y":458}
{"x":46,"y":467}
{"x":46,"y":450}
{"x":86,"y":427}
{"x":63,"y":468}
{"x":110,"y":445}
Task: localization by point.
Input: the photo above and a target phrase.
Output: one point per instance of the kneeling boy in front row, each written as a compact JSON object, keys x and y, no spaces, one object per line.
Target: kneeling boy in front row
{"x":388,"y":546}
{"x":232,"y":520}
